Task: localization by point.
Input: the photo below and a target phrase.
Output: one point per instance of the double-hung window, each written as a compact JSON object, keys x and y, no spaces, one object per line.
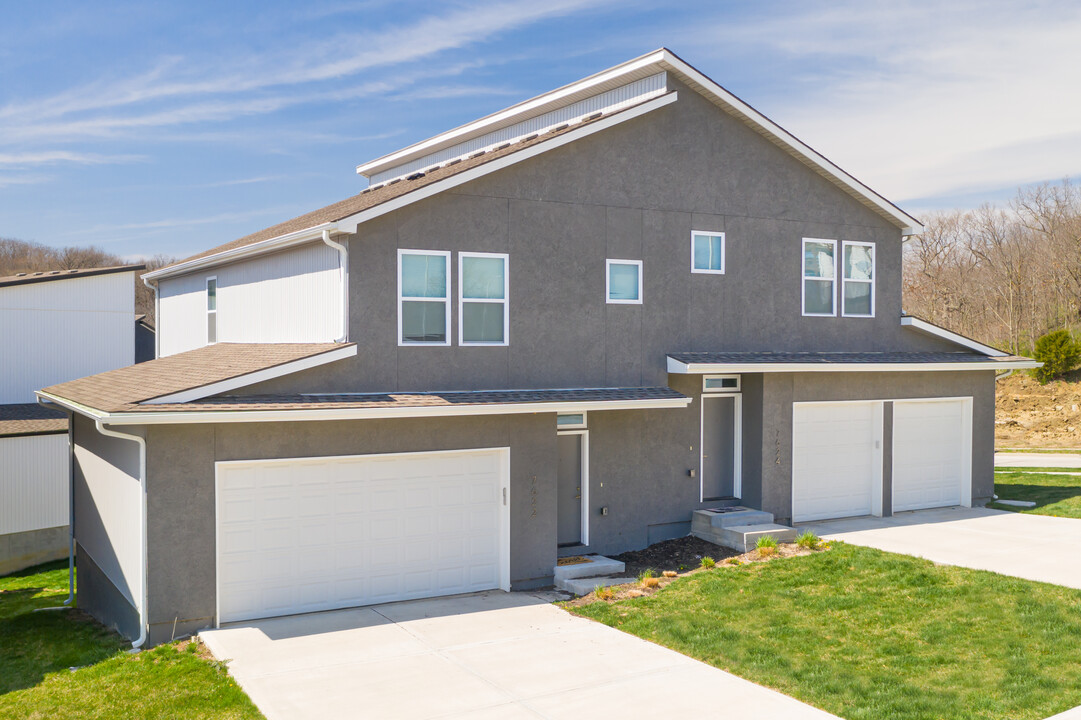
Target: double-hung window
{"x":211,"y":310}
{"x":707,"y":253}
{"x":423,"y":297}
{"x":623,"y":283}
{"x":819,"y":277}
{"x":858,"y":283}
{"x":482,"y":299}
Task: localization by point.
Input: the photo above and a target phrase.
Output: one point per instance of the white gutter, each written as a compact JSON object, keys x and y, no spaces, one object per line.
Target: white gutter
{"x":343,"y":278}
{"x":679,"y":368}
{"x":144,"y":618}
{"x":71,"y":508}
{"x":157,"y":315}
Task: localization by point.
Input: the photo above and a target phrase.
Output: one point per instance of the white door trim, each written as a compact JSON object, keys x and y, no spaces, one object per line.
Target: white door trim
{"x":504,"y":515}
{"x":737,"y":441}
{"x":585,"y":480}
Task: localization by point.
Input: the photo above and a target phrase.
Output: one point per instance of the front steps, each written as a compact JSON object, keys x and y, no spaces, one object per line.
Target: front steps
{"x":581,"y":578}
{"x":738,"y":527}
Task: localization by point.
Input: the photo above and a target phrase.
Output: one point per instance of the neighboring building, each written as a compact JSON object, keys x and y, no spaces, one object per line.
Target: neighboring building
{"x":56,"y":326}
{"x":145,"y":339}
{"x":559,"y":329}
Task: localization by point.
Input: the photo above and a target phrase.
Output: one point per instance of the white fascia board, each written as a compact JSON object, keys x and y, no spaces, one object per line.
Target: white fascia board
{"x":275,"y":243}
{"x":924,"y":326}
{"x":516,"y":113}
{"x":54,"y":401}
{"x":678,"y":368}
{"x":204,"y":391}
{"x":349,"y":224}
{"x":180,"y":417}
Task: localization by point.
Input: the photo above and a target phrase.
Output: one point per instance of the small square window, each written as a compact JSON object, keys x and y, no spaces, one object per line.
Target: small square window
{"x":707,"y":253}
{"x":623,"y":285}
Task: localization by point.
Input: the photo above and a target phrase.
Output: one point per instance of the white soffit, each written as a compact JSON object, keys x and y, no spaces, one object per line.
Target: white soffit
{"x":926,"y":327}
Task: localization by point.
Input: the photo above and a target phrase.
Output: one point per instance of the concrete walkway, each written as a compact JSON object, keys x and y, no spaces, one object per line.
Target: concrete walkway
{"x":495,"y":655}
{"x":1043,"y":460}
{"x":1034,"y":547}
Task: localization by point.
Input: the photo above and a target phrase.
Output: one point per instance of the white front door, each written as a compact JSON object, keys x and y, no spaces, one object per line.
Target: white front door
{"x":932,"y":453}
{"x":836,"y":460}
{"x":309,"y":534}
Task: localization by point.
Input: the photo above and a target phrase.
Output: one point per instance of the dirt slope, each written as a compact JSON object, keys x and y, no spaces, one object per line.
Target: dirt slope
{"x":1028,"y":414}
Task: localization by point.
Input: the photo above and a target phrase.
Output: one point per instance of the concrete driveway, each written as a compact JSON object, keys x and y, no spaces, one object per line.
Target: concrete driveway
{"x":1034,"y":547}
{"x":484,"y":656}
{"x":1041,"y":460}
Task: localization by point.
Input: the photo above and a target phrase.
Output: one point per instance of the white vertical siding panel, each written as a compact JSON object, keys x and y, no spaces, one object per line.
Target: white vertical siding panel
{"x":291,"y":296}
{"x":33,"y":483}
{"x":64,"y":329}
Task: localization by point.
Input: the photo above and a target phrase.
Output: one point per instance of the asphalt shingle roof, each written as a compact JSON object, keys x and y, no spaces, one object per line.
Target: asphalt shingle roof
{"x":835,"y":358}
{"x":48,"y":275}
{"x":31,"y":419}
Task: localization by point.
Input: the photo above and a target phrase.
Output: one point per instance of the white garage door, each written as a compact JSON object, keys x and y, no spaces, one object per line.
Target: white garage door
{"x":314,"y":534}
{"x":835,"y":461}
{"x":931,"y":453}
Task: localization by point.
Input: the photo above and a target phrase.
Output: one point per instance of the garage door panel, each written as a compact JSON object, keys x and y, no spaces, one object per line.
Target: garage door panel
{"x":360,"y":530}
{"x":834,"y":459}
{"x":929,"y":448}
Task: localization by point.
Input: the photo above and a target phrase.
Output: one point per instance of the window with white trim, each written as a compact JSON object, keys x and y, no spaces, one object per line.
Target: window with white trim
{"x":623,"y":282}
{"x":720,"y":383}
{"x":423,"y":297}
{"x":707,"y":253}
{"x":819,"y":277}
{"x":483,"y":287}
{"x":211,"y":310}
{"x":858,"y":283}
{"x":571,"y":421}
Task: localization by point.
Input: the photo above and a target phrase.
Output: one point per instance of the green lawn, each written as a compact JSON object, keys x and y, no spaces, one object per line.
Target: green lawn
{"x":867,"y":634}
{"x":37,"y":650}
{"x":1054,"y":494}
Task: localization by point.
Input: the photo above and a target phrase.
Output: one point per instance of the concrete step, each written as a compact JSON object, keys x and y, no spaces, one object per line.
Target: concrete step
{"x":584,"y":586}
{"x":704,"y":519}
{"x":594,"y":566}
{"x":744,"y":537}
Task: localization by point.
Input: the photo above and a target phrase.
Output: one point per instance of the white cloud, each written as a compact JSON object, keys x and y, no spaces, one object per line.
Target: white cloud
{"x":50,"y":157}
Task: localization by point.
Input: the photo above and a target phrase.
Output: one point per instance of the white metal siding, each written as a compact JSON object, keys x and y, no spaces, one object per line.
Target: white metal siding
{"x":291,"y":296}
{"x":64,"y":329}
{"x":931,"y":454}
{"x":628,"y":94}
{"x":33,"y":483}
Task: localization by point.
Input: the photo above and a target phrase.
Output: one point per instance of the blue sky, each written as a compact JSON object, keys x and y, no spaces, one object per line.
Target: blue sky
{"x":154,"y":127}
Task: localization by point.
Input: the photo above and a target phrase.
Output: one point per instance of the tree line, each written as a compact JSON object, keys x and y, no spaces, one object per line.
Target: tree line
{"x":1002,"y":275}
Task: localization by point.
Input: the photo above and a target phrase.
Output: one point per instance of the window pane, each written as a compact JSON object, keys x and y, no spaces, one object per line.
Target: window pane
{"x":424,"y":321}
{"x":482,"y":322}
{"x":818,"y":260}
{"x":212,"y":294}
{"x":859,"y":262}
{"x":857,"y":298}
{"x":622,"y":281}
{"x":570,"y":420}
{"x":728,"y":383}
{"x":424,"y":276}
{"x":483,"y":277}
{"x":707,"y":252}
{"x":818,"y":298}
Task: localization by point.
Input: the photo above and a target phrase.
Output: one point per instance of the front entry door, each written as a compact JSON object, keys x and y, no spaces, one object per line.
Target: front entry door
{"x":720,"y":446}
{"x":569,"y":490}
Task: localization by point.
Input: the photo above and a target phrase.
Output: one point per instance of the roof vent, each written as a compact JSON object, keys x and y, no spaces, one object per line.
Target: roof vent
{"x":20,"y":274}
{"x":415,"y":176}
{"x":38,"y":273}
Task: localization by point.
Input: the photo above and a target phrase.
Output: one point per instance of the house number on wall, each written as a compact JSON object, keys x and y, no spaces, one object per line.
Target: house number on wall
{"x":533,"y":497}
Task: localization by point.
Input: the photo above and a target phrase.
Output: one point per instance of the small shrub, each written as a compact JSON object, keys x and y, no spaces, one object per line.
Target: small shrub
{"x":732,"y":561}
{"x":646,"y":575}
{"x":1059,"y":354}
{"x":708,"y":562}
{"x":602,"y":592}
{"x":651,"y":582}
{"x":669,"y":573}
{"x":766,"y":541}
{"x":808,"y":539}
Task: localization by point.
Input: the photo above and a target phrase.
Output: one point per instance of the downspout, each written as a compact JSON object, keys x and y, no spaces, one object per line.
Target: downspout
{"x":157,"y":313}
{"x":71,"y":508}
{"x":144,"y":618}
{"x":343,"y":276}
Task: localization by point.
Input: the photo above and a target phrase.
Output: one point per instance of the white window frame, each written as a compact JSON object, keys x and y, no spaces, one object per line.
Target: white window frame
{"x":712,"y":391}
{"x":210,"y":312}
{"x":803,"y":276}
{"x":462,"y":300}
{"x":608,"y":281}
{"x":871,"y":282}
{"x":575,"y":426}
{"x":402,"y":342}
{"x":724,"y":252}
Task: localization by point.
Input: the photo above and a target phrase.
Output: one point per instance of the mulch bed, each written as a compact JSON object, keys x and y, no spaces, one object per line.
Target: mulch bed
{"x":681,"y":555}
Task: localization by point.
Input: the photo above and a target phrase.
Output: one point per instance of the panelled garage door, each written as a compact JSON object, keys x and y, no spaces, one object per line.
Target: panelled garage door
{"x":931,"y":454}
{"x":304,"y":535}
{"x":835,"y":459}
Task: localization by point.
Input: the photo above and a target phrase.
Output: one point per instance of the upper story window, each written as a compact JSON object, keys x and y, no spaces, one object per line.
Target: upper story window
{"x":423,"y":297}
{"x":819,"y":277}
{"x":483,"y":287}
{"x":211,"y":310}
{"x":707,"y":253}
{"x":623,"y":284}
{"x":858,"y":284}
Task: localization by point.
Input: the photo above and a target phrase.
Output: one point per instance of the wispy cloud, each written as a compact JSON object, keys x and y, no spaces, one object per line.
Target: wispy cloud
{"x":171,"y":223}
{"x":51,"y":157}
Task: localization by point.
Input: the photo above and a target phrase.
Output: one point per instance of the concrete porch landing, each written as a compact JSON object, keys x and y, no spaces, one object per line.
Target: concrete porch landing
{"x":738,"y":527}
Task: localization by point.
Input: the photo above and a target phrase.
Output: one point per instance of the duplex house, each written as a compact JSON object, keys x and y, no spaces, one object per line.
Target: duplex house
{"x":561,"y":328}
{"x":55,"y":326}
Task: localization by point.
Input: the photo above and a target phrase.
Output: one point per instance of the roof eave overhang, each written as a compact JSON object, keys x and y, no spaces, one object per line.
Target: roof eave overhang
{"x":676,"y":367}
{"x":179,"y":417}
{"x":940,"y":332}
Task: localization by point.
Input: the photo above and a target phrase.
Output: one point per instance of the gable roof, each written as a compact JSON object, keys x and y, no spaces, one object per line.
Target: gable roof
{"x":28,"y":278}
{"x":346,"y":215}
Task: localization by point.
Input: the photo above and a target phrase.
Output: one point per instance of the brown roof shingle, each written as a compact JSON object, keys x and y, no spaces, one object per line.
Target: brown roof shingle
{"x":48,"y":275}
{"x":31,"y":419}
{"x":123,"y":389}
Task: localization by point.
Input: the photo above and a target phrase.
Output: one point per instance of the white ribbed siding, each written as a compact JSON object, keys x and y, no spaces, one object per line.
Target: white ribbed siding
{"x":64,"y":329}
{"x":291,"y":296}
{"x":33,"y":482}
{"x":609,"y":101}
